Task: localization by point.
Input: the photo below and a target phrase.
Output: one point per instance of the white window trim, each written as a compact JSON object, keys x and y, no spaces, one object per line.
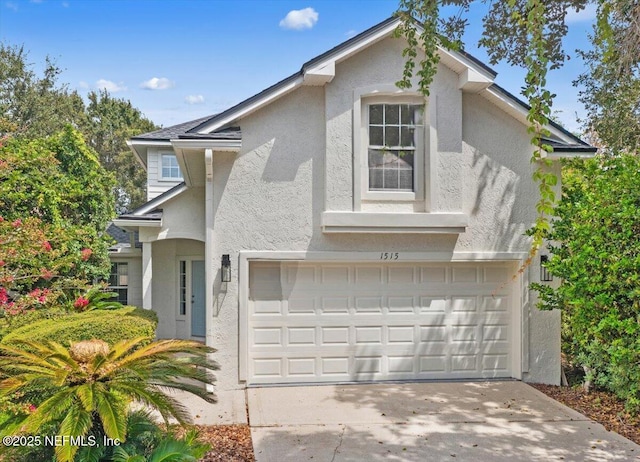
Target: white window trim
{"x":386,"y":93}
{"x":161,"y":177}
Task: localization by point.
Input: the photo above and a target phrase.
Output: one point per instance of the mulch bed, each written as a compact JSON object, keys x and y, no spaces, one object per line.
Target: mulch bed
{"x":600,"y":406}
{"x":229,"y":443}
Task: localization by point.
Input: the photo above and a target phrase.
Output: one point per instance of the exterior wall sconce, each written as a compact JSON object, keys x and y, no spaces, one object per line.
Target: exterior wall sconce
{"x":545,"y":275}
{"x":225,"y":270}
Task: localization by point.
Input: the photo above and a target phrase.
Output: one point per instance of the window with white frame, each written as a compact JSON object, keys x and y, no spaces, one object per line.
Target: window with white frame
{"x":394,"y":137}
{"x":170,"y":167}
{"x":119,"y":281}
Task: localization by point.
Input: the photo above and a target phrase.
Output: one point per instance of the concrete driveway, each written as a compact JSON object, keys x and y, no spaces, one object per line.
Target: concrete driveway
{"x":460,"y":421}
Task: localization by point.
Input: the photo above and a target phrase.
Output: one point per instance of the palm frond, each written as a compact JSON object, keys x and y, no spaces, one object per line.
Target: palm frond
{"x":86,"y":394}
{"x":167,"y":406}
{"x":76,"y":423}
{"x":52,"y":409}
{"x":111,"y":411}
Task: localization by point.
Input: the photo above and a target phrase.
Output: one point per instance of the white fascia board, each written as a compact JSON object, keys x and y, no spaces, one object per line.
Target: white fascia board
{"x":125,"y":252}
{"x":557,"y":155}
{"x":137,"y":153}
{"x":473,"y":81}
{"x":182,"y":163}
{"x":259,"y":103}
{"x":319,"y":76}
{"x":132,"y":224}
{"x":323,"y":71}
{"x":214,"y":145}
{"x":520,"y":113}
{"x":356,"y":47}
{"x":154,"y":204}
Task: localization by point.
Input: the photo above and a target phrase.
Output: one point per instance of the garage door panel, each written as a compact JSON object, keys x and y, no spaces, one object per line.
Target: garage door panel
{"x":319,"y":322}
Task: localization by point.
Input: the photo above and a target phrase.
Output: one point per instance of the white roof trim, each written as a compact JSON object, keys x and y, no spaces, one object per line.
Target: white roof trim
{"x":127,"y":224}
{"x":158,"y":201}
{"x":517,"y":111}
{"x":215,"y":145}
{"x":323,"y":71}
{"x":260,"y":102}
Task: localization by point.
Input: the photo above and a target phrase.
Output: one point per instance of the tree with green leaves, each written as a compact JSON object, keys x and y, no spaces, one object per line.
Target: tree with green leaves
{"x":594,"y":227}
{"x":112,"y":122}
{"x":32,"y":105}
{"x":36,"y":106}
{"x":58,"y":181}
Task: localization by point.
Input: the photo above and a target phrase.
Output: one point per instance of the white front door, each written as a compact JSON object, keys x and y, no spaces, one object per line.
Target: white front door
{"x":331,"y":322}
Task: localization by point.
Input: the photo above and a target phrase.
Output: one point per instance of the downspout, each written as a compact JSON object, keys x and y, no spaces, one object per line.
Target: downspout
{"x":209,"y":256}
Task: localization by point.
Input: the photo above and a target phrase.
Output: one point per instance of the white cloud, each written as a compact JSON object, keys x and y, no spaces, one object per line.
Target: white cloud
{"x":12,"y":6}
{"x":35,"y":1}
{"x":65,"y":4}
{"x":82,"y":84}
{"x":587,"y":14}
{"x":350,"y":33}
{"x":156,"y":83}
{"x":300,"y":19}
{"x":110,"y":86}
{"x":194,"y":99}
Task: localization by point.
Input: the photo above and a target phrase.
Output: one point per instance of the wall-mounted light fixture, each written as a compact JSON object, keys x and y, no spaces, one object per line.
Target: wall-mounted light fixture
{"x":225,"y":270}
{"x":545,"y":275}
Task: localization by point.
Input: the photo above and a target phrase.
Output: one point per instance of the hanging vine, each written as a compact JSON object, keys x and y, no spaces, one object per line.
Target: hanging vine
{"x":536,"y":29}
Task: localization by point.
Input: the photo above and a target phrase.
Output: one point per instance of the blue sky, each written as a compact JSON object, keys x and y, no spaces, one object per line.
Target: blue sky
{"x":178,"y":60}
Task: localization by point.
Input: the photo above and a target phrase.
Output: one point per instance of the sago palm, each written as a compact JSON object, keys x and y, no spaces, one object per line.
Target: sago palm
{"x":90,"y":384}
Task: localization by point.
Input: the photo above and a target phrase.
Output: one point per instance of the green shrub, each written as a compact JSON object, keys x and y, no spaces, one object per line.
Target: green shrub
{"x":30,"y":317}
{"x":108,"y":325}
{"x":596,"y":257}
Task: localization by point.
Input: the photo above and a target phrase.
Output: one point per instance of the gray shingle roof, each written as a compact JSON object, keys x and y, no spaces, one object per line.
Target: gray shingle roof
{"x":183,"y":131}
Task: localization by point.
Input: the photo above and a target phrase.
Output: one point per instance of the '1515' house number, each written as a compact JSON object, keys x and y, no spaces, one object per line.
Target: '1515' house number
{"x":389,"y":255}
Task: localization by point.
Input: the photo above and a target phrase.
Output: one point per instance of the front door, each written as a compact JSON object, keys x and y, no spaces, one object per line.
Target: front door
{"x":197,"y":299}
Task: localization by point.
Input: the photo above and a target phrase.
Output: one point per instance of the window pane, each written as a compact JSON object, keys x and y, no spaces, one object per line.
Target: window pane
{"x":391,"y":114}
{"x":166,"y":172}
{"x":375,"y":178}
{"x":417,"y":113}
{"x":391,"y":179}
{"x":375,"y":136}
{"x":405,"y":159}
{"x":391,"y":136}
{"x":375,"y":114}
{"x":375,"y":158}
{"x":406,"y":180}
{"x":407,"y":135}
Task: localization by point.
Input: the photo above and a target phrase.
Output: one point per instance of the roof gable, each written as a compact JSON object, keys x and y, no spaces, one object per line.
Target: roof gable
{"x":474,"y":76}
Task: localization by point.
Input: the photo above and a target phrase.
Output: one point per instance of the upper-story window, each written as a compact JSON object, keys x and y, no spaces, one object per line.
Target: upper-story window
{"x":394,"y":131}
{"x":170,"y":167}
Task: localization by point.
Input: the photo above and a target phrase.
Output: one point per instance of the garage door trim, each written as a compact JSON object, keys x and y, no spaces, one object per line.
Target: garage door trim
{"x":519,"y":286}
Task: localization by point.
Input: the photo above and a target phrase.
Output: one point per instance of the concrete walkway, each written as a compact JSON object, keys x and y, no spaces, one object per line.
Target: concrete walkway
{"x":470,"y":421}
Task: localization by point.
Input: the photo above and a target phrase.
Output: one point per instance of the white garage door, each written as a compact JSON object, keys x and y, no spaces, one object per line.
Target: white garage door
{"x":330,"y":322}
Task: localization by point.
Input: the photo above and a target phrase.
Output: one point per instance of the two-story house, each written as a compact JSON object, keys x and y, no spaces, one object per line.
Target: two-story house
{"x":335,"y":228}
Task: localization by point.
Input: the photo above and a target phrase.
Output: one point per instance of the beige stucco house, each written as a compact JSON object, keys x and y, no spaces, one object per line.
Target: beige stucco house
{"x":363,"y":233}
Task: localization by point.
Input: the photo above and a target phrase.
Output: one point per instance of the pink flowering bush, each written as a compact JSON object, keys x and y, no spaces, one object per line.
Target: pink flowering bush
{"x":40,"y":268}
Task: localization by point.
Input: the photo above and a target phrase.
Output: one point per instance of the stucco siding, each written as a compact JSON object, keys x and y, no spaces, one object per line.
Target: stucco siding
{"x":297,"y":161}
{"x":500,"y":197}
